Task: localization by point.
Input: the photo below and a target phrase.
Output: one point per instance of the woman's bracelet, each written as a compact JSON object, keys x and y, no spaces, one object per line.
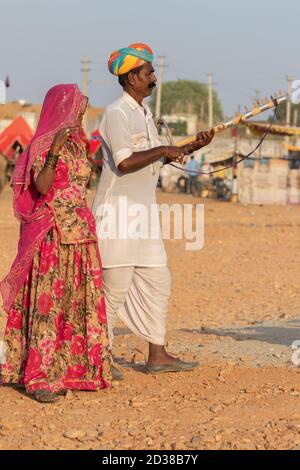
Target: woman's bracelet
{"x":51,"y":160}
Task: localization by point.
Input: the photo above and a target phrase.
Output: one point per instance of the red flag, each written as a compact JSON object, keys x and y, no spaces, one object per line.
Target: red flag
{"x":95,"y":142}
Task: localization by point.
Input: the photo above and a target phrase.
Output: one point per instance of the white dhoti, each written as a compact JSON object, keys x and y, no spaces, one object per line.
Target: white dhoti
{"x":139,"y":297}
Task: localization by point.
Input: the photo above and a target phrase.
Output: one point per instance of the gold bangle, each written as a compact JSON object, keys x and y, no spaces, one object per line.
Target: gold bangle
{"x":51,"y":155}
{"x":51,"y":165}
{"x":51,"y":160}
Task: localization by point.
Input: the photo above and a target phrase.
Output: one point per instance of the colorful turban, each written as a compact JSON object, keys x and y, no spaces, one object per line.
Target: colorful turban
{"x":129,"y":58}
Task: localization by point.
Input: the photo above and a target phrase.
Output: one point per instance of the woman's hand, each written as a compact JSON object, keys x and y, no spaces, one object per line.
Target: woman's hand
{"x":60,"y":139}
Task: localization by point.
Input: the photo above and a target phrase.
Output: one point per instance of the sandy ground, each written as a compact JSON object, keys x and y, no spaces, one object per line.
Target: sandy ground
{"x":235,"y":306}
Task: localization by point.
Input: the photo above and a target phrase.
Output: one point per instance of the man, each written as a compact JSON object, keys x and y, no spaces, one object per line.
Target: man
{"x":135,"y":274}
{"x":193,"y":169}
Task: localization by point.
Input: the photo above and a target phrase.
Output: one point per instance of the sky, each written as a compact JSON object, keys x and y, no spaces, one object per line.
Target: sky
{"x":248,"y":46}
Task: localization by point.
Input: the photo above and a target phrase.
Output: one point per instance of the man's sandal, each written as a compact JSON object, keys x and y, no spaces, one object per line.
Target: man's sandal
{"x":179,"y":366}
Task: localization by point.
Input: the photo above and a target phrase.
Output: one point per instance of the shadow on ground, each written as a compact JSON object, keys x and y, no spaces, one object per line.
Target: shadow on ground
{"x":273,"y":333}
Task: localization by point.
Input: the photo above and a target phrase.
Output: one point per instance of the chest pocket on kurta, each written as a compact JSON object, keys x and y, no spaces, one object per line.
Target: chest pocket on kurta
{"x":139,"y":141}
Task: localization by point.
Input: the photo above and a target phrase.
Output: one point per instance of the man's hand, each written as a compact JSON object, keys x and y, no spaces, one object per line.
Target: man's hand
{"x":175,"y":154}
{"x":204,"y":138}
{"x":144,"y":158}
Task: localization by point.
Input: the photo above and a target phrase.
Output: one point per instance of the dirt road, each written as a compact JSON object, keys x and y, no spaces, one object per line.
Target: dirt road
{"x":235,"y":306}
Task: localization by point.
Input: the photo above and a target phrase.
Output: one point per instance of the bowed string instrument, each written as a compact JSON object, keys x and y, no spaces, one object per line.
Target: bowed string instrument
{"x":260,"y":106}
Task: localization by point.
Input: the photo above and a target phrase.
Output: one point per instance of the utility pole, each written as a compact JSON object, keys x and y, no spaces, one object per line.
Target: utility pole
{"x":210,"y":101}
{"x":85,"y":87}
{"x":85,"y":75}
{"x":295,"y":117}
{"x":161,"y":68}
{"x":289,"y":101}
{"x":202,"y":110}
{"x":235,"y":134}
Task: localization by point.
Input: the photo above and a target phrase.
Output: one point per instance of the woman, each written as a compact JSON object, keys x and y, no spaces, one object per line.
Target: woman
{"x":56,"y":334}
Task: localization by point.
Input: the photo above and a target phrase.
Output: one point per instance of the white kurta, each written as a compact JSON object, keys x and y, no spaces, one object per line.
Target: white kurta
{"x":126,"y":128}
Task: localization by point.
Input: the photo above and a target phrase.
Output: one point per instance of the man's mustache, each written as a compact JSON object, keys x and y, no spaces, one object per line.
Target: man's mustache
{"x":152,"y":85}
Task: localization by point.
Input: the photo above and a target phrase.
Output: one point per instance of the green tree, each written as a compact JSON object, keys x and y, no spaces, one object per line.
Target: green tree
{"x":187,"y":96}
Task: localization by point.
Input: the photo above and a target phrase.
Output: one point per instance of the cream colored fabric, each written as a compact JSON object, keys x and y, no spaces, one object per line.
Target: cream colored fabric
{"x":139,"y":297}
{"x":127,"y":127}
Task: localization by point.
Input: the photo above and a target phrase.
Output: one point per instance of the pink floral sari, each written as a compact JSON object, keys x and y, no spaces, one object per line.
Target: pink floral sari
{"x":60,"y":109}
{"x":56,"y":334}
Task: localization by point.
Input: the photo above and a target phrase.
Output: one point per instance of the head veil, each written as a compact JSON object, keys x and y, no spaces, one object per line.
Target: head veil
{"x":60,"y":109}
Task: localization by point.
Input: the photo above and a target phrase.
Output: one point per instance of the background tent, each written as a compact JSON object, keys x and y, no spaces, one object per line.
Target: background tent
{"x":18,"y":133}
